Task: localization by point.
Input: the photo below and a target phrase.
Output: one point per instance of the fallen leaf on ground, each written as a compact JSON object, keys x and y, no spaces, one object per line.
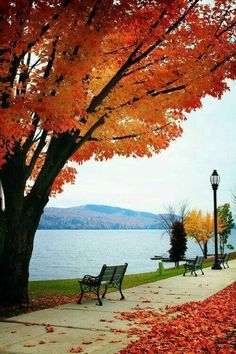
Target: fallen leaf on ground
{"x":49,"y":329}
{"x":29,"y":345}
{"x":115,"y":341}
{"x":87,"y":342}
{"x":76,"y":350}
{"x":42,"y":342}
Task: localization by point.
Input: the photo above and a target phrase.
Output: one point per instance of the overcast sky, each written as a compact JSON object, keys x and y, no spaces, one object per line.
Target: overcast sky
{"x":180,"y":173}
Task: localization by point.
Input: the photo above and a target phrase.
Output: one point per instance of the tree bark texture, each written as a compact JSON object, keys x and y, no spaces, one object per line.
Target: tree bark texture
{"x":18,"y":224}
{"x":17,"y":246}
{"x":205,"y":250}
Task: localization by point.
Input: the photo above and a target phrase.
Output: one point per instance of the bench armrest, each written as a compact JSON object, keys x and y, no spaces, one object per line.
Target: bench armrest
{"x":90,"y":279}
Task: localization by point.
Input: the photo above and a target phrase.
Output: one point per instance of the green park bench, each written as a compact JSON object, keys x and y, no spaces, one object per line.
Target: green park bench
{"x":224,"y":260}
{"x":109,"y":277}
{"x":193,"y":265}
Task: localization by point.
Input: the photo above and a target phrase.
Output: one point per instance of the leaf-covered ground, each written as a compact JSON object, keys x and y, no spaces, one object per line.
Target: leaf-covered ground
{"x":36,"y":304}
{"x":208,"y":326}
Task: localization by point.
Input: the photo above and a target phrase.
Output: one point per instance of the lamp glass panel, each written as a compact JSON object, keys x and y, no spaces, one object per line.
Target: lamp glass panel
{"x":215,"y":178}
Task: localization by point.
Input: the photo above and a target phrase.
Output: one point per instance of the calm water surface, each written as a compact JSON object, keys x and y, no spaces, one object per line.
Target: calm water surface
{"x":62,"y":254}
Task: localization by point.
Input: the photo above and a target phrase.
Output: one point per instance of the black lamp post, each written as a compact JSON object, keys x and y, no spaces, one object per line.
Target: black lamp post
{"x":215,"y":180}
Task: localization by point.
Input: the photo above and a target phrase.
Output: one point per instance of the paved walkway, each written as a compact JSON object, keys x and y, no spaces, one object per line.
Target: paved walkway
{"x":57,"y":330}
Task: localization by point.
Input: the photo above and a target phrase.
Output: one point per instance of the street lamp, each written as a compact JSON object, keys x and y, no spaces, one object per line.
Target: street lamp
{"x":215,"y":180}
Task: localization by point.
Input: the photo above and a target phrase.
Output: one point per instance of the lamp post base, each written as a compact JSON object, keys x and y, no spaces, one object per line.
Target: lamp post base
{"x":216,"y":266}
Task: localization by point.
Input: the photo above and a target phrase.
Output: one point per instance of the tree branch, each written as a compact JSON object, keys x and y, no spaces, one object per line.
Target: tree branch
{"x":93,"y":12}
{"x":114,"y":138}
{"x":172,"y":89}
{"x":145,"y":66}
{"x":217,"y":65}
{"x":129,"y":136}
{"x":226,"y":29}
{"x":36,"y":154}
{"x":51,"y":59}
{"x":168,"y":31}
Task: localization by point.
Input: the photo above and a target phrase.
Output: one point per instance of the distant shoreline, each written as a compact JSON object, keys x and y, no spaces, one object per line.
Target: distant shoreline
{"x":100,"y":217}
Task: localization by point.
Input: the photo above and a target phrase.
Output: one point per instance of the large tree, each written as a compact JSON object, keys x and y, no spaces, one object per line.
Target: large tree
{"x":95,"y":78}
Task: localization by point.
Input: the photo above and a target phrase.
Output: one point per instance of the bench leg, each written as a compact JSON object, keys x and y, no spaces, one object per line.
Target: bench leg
{"x":122,"y":296}
{"x":104,"y":294}
{"x":80,"y":298}
{"x":99,"y":300}
{"x":202,"y":271}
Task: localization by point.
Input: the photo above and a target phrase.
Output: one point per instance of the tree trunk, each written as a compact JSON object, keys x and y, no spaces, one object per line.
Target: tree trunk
{"x":15,"y":257}
{"x":14,"y":265}
{"x":205,"y":250}
{"x":221,"y":238}
{"x":18,"y":224}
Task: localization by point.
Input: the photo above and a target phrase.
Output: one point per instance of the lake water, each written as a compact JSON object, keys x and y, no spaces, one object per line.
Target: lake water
{"x":63,"y":254}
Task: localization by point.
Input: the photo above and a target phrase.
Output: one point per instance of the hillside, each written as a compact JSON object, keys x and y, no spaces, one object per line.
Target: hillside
{"x":98,"y":217}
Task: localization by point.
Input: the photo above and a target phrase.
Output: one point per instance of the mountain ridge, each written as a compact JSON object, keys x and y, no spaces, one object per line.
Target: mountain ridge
{"x":98,"y":217}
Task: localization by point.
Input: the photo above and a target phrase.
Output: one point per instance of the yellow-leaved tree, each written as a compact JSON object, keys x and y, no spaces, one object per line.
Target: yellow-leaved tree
{"x":199,"y":227}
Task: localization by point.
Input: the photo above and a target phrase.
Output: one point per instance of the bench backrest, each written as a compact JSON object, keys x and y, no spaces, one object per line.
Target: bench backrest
{"x":120,"y":272}
{"x":226,"y":258}
{"x":199,"y":260}
{"x":112,"y":273}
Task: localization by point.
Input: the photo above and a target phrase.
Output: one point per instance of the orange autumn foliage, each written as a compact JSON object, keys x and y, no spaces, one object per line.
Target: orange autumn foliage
{"x":196,"y":327}
{"x":117,"y":77}
{"x":199,"y":226}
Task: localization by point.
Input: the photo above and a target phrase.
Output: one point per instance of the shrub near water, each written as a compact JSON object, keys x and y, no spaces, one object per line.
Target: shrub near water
{"x":178,"y":241}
